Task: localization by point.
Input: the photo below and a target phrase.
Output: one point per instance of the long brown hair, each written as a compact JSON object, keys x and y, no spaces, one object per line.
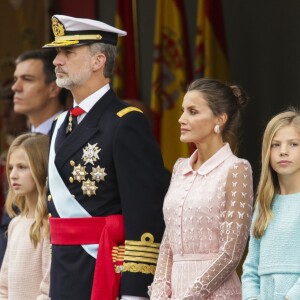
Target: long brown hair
{"x":36,"y":147}
{"x":268,"y":184}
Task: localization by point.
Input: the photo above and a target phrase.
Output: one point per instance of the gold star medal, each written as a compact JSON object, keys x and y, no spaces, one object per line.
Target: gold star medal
{"x":98,"y":174}
{"x":90,"y":153}
{"x":89,"y":188}
{"x":79,"y":173}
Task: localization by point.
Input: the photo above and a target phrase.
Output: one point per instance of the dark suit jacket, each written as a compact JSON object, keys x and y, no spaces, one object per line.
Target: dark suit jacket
{"x":3,"y":236}
{"x":134,"y":186}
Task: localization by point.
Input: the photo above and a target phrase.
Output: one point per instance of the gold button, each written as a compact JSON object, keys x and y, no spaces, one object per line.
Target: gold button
{"x":72,"y":163}
{"x":49,"y":197}
{"x":71,"y":179}
{"x":98,"y":37}
{"x":49,"y":215}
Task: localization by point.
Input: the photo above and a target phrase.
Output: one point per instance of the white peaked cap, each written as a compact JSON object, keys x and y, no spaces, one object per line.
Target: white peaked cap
{"x":70,"y":31}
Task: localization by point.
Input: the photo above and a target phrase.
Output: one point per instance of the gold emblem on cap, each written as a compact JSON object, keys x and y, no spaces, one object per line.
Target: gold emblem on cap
{"x":57,"y":27}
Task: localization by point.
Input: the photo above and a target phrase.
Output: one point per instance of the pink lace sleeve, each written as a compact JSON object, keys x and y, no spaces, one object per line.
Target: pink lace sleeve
{"x":161,"y":286}
{"x":235,"y":218}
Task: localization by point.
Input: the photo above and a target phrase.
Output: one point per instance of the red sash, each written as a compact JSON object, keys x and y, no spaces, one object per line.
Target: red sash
{"x":108,"y":232}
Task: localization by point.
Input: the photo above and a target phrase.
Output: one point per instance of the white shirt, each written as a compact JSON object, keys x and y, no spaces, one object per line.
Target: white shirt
{"x":88,"y":103}
{"x":45,"y":126}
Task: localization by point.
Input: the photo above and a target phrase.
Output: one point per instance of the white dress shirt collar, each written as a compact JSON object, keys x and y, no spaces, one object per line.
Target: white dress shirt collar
{"x":88,"y":103}
{"x":45,"y":126}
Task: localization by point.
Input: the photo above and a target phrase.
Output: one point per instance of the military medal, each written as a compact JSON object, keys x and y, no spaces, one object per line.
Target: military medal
{"x":79,"y":173}
{"x":98,"y":174}
{"x":90,"y":153}
{"x":89,"y":188}
{"x":69,"y":127}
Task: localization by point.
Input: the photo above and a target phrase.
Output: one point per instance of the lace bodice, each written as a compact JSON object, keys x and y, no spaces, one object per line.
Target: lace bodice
{"x":207,"y":214}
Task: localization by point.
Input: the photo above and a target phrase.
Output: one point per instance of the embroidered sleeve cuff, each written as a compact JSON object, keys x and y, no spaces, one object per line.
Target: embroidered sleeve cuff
{"x":141,"y":256}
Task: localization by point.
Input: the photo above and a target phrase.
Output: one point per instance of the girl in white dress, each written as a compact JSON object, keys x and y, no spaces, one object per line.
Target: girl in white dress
{"x":25,"y":270}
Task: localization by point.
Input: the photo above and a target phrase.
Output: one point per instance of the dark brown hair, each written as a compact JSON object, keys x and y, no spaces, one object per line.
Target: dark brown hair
{"x":223,"y":98}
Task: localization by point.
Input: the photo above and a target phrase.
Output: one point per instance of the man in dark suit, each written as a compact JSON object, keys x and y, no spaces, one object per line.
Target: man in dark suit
{"x":106,"y":175}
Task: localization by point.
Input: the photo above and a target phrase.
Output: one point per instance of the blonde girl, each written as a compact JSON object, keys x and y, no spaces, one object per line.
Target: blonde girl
{"x":25,"y":270}
{"x":272,"y":268}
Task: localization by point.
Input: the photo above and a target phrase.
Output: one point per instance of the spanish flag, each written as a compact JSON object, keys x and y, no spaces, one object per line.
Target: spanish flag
{"x":125,"y":81}
{"x":211,"y":59}
{"x":170,"y":77}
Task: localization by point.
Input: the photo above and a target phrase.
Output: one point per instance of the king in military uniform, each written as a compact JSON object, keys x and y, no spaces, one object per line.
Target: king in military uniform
{"x":106,"y":175}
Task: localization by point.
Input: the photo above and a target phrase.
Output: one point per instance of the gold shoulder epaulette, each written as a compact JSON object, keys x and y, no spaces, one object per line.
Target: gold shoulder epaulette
{"x":141,"y":256}
{"x":126,"y":110}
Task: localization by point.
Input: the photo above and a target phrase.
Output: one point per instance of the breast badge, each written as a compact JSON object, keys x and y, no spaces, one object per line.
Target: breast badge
{"x":98,"y":174}
{"x":90,"y":153}
{"x":79,"y":173}
{"x":83,"y":173}
{"x":89,"y":188}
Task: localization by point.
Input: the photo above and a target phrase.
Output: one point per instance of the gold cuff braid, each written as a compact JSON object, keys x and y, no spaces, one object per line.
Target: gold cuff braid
{"x":139,"y":268}
{"x":141,"y":256}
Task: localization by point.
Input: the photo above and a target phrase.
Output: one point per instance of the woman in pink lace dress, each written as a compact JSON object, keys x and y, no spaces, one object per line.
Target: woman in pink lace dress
{"x":208,"y":207}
